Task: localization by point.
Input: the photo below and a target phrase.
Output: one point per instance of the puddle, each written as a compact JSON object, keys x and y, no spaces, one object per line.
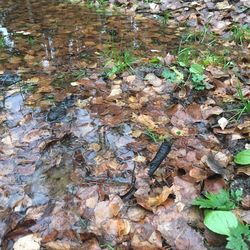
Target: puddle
{"x":52,"y":140}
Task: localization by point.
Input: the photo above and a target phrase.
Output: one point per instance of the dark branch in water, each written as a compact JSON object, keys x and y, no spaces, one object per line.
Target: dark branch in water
{"x":160,"y":156}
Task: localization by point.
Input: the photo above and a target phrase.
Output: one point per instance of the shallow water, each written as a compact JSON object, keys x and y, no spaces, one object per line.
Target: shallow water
{"x":51,"y":141}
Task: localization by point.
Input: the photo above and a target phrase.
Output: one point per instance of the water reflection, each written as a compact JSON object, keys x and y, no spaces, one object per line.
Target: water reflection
{"x":54,"y":34}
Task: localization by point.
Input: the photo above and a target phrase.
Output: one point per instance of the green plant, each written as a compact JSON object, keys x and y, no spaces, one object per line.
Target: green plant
{"x":107,"y":246}
{"x":240,"y":33}
{"x":243,"y":157}
{"x":154,"y":137}
{"x":119,"y":61}
{"x":198,"y":78}
{"x":31,"y":40}
{"x":2,"y":44}
{"x":209,"y":58}
{"x":195,"y":35}
{"x":166,"y":16}
{"x":170,"y":75}
{"x":173,"y":75}
{"x":186,"y":55}
{"x":29,"y":88}
{"x":224,"y":200}
{"x":245,"y":105}
{"x":155,"y":60}
{"x":226,"y":223}
{"x":96,"y":3}
{"x":238,"y":237}
{"x":78,"y":74}
{"x":223,"y":221}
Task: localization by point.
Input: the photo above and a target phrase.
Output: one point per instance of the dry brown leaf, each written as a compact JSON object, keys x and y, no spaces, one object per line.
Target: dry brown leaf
{"x":146,"y":120}
{"x":117,"y":227}
{"x":151,"y":202}
{"x":209,"y":111}
{"x":175,"y":230}
{"x":185,"y":192}
{"x":136,"y":213}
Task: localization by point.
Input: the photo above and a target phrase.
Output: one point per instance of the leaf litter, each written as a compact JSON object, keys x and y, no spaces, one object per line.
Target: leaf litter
{"x":74,"y":141}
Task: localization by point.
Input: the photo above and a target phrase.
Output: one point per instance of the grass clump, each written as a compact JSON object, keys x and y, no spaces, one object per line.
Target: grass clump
{"x":118,"y":61}
{"x":240,"y":34}
{"x":2,"y":44}
{"x":245,"y":106}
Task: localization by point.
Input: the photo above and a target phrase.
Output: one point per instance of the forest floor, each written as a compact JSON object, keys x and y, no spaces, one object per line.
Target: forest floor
{"x":124,"y":125}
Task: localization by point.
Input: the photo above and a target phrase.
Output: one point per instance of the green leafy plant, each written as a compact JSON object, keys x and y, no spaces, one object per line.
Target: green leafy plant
{"x":239,"y":237}
{"x":198,"y":81}
{"x":226,"y":223}
{"x":155,"y":60}
{"x":170,"y":75}
{"x":198,"y":78}
{"x":243,"y":157}
{"x":197,"y":69}
{"x":224,"y":200}
{"x":223,"y":221}
{"x":220,"y":222}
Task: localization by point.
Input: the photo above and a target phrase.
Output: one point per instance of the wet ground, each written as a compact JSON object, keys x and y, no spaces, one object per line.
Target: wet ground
{"x":66,"y":131}
{"x":52,"y":140}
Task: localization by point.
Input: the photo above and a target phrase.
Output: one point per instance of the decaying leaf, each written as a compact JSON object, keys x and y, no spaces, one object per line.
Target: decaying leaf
{"x":145,"y":120}
{"x":152,"y":201}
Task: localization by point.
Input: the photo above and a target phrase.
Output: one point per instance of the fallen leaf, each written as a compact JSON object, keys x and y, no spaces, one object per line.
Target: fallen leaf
{"x":151,"y":202}
{"x":209,"y":111}
{"x":117,"y":227}
{"x":136,"y":214}
{"x":28,"y":242}
{"x":223,"y":122}
{"x":146,"y":120}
